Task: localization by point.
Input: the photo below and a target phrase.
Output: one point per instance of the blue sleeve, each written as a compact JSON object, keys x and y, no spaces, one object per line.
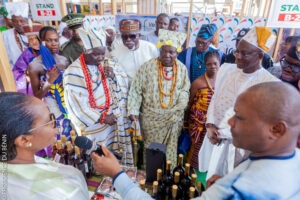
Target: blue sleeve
{"x":182,"y":57}
{"x":222,"y":56}
{"x":128,"y":189}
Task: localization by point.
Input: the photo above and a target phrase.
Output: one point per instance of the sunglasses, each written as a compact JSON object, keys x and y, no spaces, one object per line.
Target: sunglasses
{"x":52,"y":122}
{"x":130,"y":36}
{"x":284,"y":64}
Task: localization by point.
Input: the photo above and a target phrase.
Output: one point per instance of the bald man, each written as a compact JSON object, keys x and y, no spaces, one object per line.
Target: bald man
{"x":269,"y":131}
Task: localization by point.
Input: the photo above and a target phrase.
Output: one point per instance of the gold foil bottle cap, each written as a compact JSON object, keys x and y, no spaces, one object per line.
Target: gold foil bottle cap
{"x":63,"y":139}
{"x":174,"y":191}
{"x":159,"y":174}
{"x":176,"y":177}
{"x":168,"y":167}
{"x":58,"y":144}
{"x":155,"y":186}
{"x":194,"y":177}
{"x":187,"y":168}
{"x":142,"y":184}
{"x":192,"y":192}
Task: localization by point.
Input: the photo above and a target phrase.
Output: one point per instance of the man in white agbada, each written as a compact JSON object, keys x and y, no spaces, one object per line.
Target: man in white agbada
{"x":96,"y":96}
{"x":15,"y":41}
{"x":218,"y":155}
{"x":134,"y":52}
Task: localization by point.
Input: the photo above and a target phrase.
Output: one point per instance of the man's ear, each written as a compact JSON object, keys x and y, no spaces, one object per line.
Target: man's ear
{"x":278,"y":129}
{"x":261,"y":55}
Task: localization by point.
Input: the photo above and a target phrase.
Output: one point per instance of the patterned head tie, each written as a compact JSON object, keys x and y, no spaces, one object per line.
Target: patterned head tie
{"x":171,"y":38}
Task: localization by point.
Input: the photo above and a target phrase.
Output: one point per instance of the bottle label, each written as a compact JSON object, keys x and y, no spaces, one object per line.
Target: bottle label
{"x":57,"y":158}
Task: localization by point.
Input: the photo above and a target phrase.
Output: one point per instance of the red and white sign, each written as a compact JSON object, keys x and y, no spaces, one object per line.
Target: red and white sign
{"x":45,"y":10}
{"x":284,"y":14}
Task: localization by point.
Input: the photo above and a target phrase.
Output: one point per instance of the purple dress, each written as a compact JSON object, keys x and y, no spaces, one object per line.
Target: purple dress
{"x":19,"y":70}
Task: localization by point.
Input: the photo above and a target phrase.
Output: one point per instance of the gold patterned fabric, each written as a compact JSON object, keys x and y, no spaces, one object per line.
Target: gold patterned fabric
{"x":197,"y":119}
{"x":143,"y":100}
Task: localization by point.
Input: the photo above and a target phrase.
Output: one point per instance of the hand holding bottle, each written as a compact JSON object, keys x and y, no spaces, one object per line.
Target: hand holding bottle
{"x":108,"y":165}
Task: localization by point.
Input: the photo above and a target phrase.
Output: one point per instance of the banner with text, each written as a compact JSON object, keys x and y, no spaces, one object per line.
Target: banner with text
{"x":284,"y":14}
{"x":45,"y":10}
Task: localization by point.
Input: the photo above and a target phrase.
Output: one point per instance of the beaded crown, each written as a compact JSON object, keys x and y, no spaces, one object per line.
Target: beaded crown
{"x":171,"y":38}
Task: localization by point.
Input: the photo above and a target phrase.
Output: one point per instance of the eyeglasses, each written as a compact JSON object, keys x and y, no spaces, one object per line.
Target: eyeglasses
{"x":203,"y":43}
{"x":130,"y":36}
{"x":243,"y":53}
{"x":52,"y":121}
{"x":285,"y":64}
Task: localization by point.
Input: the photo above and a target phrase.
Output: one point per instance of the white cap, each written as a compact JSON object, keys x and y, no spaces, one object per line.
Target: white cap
{"x":17,"y":9}
{"x":111,"y":28}
{"x":61,"y":27}
{"x":91,"y":38}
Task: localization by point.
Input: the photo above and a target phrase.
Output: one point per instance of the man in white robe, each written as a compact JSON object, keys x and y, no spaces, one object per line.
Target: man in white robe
{"x":96,"y":97}
{"x":15,"y":41}
{"x":133,"y":52}
{"x":218,"y":155}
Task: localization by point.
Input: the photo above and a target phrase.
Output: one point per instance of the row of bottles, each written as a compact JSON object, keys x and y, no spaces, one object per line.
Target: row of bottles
{"x":178,"y":184}
{"x":66,"y":152}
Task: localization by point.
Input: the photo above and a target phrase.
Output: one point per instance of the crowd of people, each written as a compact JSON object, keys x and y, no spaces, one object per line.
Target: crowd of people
{"x":241,"y":110}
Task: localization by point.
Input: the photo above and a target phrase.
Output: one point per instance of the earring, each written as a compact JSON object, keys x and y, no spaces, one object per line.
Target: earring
{"x":29,"y":144}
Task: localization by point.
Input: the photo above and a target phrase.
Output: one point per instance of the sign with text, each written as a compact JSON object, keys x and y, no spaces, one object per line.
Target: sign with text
{"x":45,"y":10}
{"x":284,"y":14}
